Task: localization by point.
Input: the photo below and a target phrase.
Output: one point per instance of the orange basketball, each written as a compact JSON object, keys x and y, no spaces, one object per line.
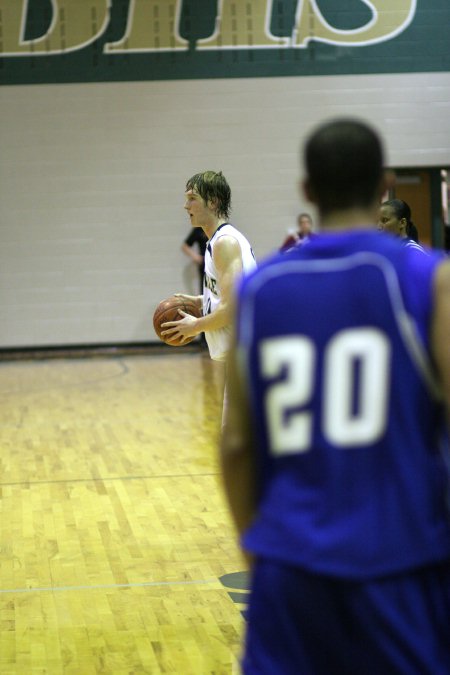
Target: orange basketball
{"x":167,"y":310}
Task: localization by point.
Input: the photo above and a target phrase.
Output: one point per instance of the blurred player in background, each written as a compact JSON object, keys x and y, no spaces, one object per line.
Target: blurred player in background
{"x":228,"y":254}
{"x":301,"y":234}
{"x":395,"y":218}
{"x":332,"y":450}
{"x":194,"y":247}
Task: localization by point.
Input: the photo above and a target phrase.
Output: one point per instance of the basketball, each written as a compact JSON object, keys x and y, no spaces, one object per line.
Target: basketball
{"x":167,"y":310}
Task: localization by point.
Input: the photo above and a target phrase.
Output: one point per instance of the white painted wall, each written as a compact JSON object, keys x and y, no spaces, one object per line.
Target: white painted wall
{"x":92,"y":179}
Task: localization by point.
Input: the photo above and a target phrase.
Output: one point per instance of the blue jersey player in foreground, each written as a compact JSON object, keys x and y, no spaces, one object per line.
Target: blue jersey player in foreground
{"x":333,"y":451}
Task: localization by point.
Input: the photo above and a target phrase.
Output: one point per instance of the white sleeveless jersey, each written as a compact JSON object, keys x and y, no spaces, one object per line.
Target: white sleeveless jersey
{"x":219,"y":340}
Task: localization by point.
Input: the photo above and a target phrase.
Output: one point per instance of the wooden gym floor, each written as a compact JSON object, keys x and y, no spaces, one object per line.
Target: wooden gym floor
{"x":117,"y":553}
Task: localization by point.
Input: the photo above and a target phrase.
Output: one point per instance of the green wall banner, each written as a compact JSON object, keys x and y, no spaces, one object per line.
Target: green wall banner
{"x":44,"y":41}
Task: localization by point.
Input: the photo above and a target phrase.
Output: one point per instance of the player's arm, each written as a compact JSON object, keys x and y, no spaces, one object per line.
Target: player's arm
{"x":440,"y":334}
{"x":196,"y":299}
{"x":228,"y":262}
{"x":192,"y":254}
{"x":237,"y":448}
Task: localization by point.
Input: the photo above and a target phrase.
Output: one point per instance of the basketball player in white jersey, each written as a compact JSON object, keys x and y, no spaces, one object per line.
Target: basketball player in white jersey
{"x":228,"y":255}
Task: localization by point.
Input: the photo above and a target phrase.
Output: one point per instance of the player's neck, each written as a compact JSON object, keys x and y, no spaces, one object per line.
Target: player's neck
{"x":348,"y":219}
{"x":210,"y":228}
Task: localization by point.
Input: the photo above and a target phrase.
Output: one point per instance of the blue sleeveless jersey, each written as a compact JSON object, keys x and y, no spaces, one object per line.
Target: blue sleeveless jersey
{"x":349,"y":426}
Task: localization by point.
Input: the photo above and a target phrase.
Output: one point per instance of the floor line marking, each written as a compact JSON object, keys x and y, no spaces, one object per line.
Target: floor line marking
{"x":143,"y":584}
{"x":95,"y":479}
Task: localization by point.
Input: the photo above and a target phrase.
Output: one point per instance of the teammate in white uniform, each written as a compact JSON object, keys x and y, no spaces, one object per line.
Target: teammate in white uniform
{"x":228,"y":255}
{"x":218,"y":340}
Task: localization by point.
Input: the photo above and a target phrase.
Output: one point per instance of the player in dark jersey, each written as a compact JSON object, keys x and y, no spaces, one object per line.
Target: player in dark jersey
{"x":194,"y":246}
{"x":333,"y":451}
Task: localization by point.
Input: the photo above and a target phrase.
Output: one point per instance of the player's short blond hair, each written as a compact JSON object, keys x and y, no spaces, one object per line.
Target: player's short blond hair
{"x":213,"y":188}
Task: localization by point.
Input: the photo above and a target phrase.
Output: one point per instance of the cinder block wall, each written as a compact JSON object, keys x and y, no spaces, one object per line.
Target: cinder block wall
{"x":93,"y":175}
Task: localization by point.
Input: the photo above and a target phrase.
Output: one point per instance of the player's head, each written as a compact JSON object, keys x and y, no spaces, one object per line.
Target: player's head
{"x":304,"y":224}
{"x":213,"y":188}
{"x":344,"y":166}
{"x":395,"y":218}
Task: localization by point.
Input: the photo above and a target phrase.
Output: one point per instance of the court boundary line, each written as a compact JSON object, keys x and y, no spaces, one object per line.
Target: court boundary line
{"x":31,"y":483}
{"x":99,"y":587}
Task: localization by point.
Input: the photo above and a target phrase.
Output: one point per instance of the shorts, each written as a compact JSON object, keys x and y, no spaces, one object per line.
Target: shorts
{"x":301,"y":623}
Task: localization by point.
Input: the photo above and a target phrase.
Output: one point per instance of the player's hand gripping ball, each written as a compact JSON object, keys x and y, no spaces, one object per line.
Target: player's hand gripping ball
{"x":167,"y":310}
